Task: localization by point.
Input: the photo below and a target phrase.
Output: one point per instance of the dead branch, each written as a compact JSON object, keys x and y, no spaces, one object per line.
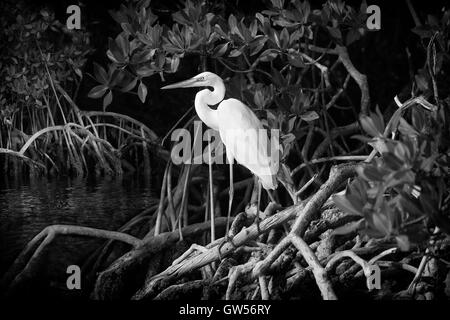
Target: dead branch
{"x":359,"y":78}
{"x":22,"y":157}
{"x":178,"y":291}
{"x":244,"y":236}
{"x":304,"y":213}
{"x":127,"y":264}
{"x":26,"y":263}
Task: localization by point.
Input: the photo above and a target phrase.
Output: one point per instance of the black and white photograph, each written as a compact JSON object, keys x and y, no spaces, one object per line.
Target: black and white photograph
{"x":233,"y":154}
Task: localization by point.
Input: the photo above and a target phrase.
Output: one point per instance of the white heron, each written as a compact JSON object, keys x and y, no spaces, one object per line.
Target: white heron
{"x":241,"y":131}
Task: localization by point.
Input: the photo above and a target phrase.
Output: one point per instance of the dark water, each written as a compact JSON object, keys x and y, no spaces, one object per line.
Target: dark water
{"x":28,"y":207}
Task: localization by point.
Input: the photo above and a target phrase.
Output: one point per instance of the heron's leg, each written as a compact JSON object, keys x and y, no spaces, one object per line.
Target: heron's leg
{"x":269,"y":193}
{"x":230,"y":203}
{"x":230,"y":200}
{"x":257,"y":206}
{"x":211,"y":192}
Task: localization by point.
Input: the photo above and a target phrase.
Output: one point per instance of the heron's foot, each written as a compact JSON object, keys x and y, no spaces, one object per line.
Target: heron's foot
{"x":226,"y":239}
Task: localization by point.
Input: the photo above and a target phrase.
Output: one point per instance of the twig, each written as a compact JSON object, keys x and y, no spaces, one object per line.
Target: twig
{"x":413,"y":13}
{"x":318,"y":49}
{"x":263,"y":288}
{"x":392,"y":264}
{"x":419,"y":272}
{"x":344,"y":130}
{"x":21,"y":156}
{"x":336,"y":158}
{"x":178,"y":291}
{"x":175,"y":125}
{"x":161,"y":202}
{"x":382,"y":254}
{"x":360,"y":78}
{"x":264,"y":265}
{"x":323,"y":69}
{"x":306,"y":185}
{"x":235,"y":273}
{"x":391,"y":126}
{"x":338,"y":93}
{"x":350,"y":254}
{"x":139,"y":124}
{"x":338,"y":174}
{"x":319,"y":272}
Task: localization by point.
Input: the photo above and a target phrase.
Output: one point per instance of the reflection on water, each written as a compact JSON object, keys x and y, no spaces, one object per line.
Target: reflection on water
{"x":28,"y":207}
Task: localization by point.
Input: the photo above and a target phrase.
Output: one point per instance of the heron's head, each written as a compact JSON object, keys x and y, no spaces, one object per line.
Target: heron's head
{"x":204,"y":79}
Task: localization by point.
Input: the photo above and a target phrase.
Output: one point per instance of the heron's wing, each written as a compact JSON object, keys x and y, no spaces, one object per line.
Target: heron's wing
{"x":247,"y":141}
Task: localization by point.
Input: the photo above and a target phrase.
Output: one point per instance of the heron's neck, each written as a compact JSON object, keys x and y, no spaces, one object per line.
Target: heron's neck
{"x":204,"y":99}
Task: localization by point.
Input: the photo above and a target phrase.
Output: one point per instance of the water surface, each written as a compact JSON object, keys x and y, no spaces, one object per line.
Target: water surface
{"x":26,"y":207}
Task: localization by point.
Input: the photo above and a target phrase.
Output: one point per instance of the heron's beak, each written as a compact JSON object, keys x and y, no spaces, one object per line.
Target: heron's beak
{"x":193,"y":82}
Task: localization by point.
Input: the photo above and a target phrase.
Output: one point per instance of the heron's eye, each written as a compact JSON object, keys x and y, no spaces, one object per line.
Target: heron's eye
{"x":201,"y":79}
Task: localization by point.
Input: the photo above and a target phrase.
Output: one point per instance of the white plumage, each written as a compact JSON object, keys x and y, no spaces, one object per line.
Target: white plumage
{"x":247,"y":141}
{"x":241,"y":131}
